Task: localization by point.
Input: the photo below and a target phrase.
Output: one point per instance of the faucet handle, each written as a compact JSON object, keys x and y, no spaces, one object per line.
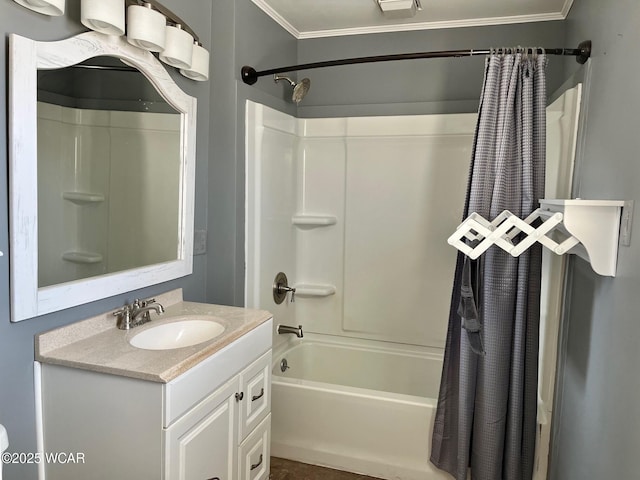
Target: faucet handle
{"x":124,"y":317}
{"x":287,"y":288}
{"x":149,"y":301}
{"x":123,"y":311}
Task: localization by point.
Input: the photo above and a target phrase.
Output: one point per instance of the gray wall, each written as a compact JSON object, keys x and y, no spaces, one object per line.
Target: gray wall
{"x":447,"y":85}
{"x":243,"y":34}
{"x":16,"y":340}
{"x":597,"y":419}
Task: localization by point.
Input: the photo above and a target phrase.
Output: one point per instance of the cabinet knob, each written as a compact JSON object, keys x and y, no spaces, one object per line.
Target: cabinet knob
{"x":239,"y":396}
{"x":214,"y":478}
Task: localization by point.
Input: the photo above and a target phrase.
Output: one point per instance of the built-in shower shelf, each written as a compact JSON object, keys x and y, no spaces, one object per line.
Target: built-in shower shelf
{"x":82,"y":257}
{"x":314,"y":290}
{"x":83,"y":198}
{"x":313,"y":220}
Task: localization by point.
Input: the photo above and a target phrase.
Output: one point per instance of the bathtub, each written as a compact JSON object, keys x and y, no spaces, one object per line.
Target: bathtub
{"x":358,"y":406}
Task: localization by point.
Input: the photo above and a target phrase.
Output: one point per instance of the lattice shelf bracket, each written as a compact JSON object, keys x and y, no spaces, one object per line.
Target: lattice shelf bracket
{"x":588,"y":228}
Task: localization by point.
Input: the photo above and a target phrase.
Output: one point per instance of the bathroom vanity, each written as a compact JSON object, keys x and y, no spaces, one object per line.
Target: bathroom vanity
{"x":194,"y":413}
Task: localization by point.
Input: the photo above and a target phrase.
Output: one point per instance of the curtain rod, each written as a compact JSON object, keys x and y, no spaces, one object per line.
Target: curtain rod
{"x":250,"y":76}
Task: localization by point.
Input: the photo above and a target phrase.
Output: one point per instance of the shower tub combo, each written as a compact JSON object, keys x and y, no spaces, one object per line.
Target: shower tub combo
{"x":358,"y":392}
{"x":356,"y":405}
{"x":356,"y":211}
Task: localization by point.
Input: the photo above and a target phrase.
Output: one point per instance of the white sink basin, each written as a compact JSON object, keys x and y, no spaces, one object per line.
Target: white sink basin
{"x":183,"y":333}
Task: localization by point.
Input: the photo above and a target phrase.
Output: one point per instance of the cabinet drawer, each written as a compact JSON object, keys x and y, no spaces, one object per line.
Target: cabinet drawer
{"x":255,"y":383}
{"x":190,"y":388}
{"x":255,"y":451}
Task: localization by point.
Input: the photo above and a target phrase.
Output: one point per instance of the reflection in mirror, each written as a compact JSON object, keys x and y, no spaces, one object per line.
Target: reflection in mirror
{"x":108,"y":172}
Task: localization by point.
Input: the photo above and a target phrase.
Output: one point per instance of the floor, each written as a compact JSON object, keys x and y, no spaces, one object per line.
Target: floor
{"x":282,"y":469}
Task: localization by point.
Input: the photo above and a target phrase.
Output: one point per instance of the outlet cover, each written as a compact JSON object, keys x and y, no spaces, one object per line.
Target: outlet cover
{"x":199,"y":242}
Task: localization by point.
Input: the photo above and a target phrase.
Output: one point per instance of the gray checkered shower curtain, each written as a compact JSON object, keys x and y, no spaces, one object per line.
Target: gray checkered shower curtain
{"x":486,"y":415}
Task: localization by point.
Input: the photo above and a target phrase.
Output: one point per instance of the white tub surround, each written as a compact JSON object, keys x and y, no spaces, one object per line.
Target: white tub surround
{"x":376,"y":404}
{"x":346,"y":208}
{"x":353,"y":211}
{"x":98,"y":345}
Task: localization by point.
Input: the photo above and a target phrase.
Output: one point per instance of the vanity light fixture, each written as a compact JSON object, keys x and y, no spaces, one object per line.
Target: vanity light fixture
{"x":146,"y":27}
{"x":54,"y":8}
{"x":149,"y":25}
{"x":199,"y":69}
{"x":104,"y":16}
{"x":178,"y":49}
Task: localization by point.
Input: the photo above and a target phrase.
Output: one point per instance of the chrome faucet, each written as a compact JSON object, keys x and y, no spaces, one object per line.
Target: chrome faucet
{"x":297,"y":331}
{"x":138,"y":313}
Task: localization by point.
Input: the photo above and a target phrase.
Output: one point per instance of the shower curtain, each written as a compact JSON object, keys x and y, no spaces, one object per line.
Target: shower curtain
{"x":486,"y":414}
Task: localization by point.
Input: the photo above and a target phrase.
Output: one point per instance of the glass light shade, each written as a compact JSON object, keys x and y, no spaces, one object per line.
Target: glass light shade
{"x":199,"y":69}
{"x":104,"y":16}
{"x":54,"y":8}
{"x":146,"y":28}
{"x":178,"y":48}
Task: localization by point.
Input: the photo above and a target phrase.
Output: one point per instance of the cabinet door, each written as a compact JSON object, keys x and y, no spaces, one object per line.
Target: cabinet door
{"x":202,"y":445}
{"x":255,"y":383}
{"x":255,"y":451}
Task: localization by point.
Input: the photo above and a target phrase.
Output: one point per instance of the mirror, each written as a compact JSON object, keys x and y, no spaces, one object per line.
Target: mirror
{"x":102,"y":158}
{"x":108,"y":171}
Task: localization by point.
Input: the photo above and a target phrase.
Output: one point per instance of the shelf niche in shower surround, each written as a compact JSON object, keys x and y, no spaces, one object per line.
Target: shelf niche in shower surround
{"x":314,"y":290}
{"x":83,"y":198}
{"x":312,"y":221}
{"x":82,"y":257}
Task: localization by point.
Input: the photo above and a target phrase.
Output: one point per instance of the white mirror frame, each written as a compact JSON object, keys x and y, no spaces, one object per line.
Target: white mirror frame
{"x":26,"y":56}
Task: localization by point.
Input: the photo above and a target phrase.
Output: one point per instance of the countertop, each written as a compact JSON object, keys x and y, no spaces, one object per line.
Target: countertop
{"x":96,"y":344}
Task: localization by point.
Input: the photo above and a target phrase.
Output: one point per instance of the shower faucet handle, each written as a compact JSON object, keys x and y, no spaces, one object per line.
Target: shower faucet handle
{"x":281,"y":288}
{"x":285,"y":289}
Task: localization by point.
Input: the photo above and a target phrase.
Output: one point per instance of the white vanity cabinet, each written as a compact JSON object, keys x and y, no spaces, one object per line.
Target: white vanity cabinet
{"x":211,"y":422}
{"x":203,"y":443}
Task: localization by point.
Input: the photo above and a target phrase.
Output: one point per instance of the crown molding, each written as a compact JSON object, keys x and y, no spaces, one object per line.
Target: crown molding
{"x":566,"y":8}
{"x":405,"y":27}
{"x":279,"y":19}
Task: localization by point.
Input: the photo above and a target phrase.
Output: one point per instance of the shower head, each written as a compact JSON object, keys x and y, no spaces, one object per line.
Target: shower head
{"x":300,"y":89}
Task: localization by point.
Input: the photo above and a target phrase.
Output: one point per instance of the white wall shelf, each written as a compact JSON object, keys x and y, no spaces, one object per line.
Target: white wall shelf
{"x":83,"y":198}
{"x":82,"y":257}
{"x":587,"y":228}
{"x":596,"y":225}
{"x":314,"y":290}
{"x":304,"y":220}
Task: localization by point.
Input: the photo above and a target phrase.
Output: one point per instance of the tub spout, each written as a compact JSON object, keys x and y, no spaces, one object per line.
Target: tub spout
{"x":297,"y":331}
